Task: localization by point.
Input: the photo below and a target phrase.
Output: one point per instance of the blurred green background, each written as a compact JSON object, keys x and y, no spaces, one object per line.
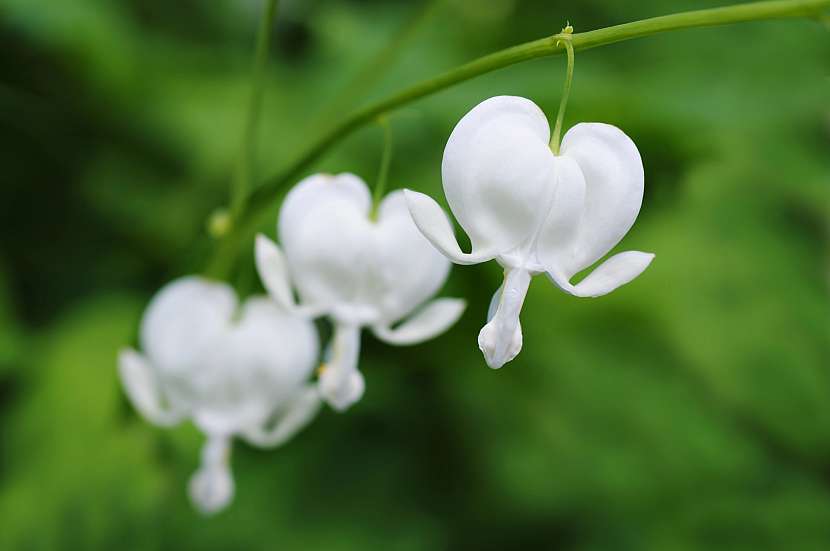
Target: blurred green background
{"x":687,"y":410}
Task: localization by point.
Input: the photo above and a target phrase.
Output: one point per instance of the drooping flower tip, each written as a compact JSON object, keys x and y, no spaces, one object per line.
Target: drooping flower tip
{"x":211,"y":489}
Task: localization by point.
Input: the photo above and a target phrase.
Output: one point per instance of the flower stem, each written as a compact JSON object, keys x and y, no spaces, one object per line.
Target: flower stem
{"x":246,"y":222}
{"x":375,"y":68}
{"x":241,"y":183}
{"x":566,"y":91}
{"x":383,"y":172}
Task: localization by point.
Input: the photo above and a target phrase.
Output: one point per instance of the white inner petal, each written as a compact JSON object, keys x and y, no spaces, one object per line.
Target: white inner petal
{"x":501,"y":338}
{"x":341,"y":384}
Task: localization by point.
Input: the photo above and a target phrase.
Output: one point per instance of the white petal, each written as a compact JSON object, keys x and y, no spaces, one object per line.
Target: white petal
{"x":430,"y":218}
{"x":321,"y":188}
{"x":556,"y":244}
{"x":613,"y":173}
{"x":341,"y":384}
{"x":495,"y":300}
{"x":510,"y":343}
{"x":260,"y":365}
{"x":273,"y":272}
{"x":182,"y":319}
{"x":143,"y":389}
{"x":487,"y":336}
{"x":211,"y":487}
{"x":407,"y":268}
{"x":293,"y":417}
{"x":498,"y":172}
{"x":341,"y":388}
{"x":501,"y":338}
{"x":614,"y":272}
{"x":432,"y":320}
{"x":326,"y":235}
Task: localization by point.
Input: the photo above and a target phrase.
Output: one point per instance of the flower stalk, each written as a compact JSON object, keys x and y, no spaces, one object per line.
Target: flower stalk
{"x":241,"y":183}
{"x":383,"y":171}
{"x":564,"y":38}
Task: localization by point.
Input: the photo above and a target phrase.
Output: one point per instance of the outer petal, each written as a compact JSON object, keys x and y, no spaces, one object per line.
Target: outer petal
{"x":273,"y":271}
{"x":432,"y":320}
{"x":292,"y":418}
{"x":498,"y":172}
{"x":614,"y":272}
{"x":613,"y":174}
{"x":143,"y":389}
{"x":326,"y":234}
{"x":261,"y":364}
{"x":436,"y":227}
{"x":185,"y":317}
{"x":408,"y":269}
{"x":321,"y":188}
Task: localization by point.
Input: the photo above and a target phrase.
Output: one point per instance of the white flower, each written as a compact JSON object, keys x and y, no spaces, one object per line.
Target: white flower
{"x":533,"y":211}
{"x":233,"y":373}
{"x":357,"y":270}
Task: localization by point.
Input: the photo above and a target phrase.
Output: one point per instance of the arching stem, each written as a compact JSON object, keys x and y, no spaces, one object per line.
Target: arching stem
{"x":259,"y":202}
{"x":241,"y":183}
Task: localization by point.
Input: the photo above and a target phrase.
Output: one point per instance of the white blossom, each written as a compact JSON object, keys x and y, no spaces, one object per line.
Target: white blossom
{"x":234,"y":371}
{"x":357,"y":269}
{"x":533,"y":211}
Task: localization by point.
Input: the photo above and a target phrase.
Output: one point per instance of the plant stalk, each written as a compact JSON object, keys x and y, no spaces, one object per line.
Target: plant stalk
{"x":241,"y":182}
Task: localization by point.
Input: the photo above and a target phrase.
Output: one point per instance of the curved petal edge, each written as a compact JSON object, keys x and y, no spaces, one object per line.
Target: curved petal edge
{"x":294,"y":417}
{"x":273,"y":271}
{"x":432,"y":221}
{"x":611,"y":274}
{"x":430,"y":321}
{"x":143,"y":390}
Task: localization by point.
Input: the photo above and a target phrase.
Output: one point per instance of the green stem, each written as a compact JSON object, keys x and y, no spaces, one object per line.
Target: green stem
{"x":548,"y":46}
{"x":241,"y":183}
{"x":566,"y":91}
{"x":376,"y":67}
{"x":383,"y":172}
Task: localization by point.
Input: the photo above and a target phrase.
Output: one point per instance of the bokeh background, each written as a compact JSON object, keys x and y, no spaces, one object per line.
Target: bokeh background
{"x":688,"y":410}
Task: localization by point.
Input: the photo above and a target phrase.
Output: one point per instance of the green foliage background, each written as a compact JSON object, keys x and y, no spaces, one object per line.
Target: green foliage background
{"x":687,"y":410}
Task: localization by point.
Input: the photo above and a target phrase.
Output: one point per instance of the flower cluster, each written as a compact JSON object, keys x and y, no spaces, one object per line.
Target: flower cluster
{"x":247,"y":371}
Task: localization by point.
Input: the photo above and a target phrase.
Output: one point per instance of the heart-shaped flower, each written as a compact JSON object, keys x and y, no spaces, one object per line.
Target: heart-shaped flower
{"x":359,"y":269}
{"x":232,"y":371}
{"x":534,"y":211}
